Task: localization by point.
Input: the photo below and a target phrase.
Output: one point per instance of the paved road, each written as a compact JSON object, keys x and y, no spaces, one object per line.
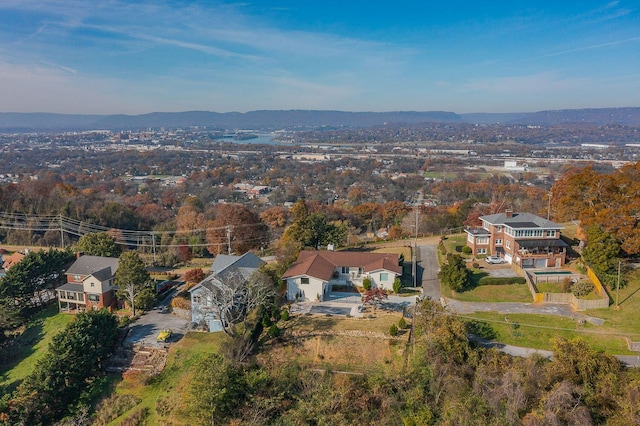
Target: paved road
{"x":428,"y":268}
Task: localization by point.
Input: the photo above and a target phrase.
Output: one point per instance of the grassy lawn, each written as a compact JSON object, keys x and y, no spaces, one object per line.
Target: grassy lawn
{"x":495,"y":293}
{"x":20,"y":357}
{"x":536,"y":331}
{"x":546,"y":287}
{"x":454,"y":244}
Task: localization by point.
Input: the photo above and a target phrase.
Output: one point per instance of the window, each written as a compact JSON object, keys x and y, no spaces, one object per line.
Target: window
{"x":499,"y":228}
{"x":93,"y":284}
{"x":482,"y":251}
{"x":93,"y":297}
{"x":482,"y":240}
{"x":71,"y":295}
{"x":304,"y":280}
{"x":508,"y":244}
{"x":499,"y":241}
{"x":77,"y":278}
{"x":345,"y":269}
{"x":384,"y":276}
{"x":197,"y":299}
{"x":551,"y":233}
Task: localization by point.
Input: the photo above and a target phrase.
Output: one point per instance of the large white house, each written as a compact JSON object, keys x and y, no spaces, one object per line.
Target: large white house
{"x":225,"y":267}
{"x":312,"y":276}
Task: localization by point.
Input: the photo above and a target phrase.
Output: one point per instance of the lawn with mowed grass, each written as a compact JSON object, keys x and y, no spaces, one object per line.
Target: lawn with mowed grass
{"x":535,"y":331}
{"x":495,"y":293}
{"x":20,"y":356}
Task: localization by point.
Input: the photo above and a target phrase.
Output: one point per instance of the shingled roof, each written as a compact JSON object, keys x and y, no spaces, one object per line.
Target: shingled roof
{"x":90,"y":265}
{"x":520,"y":220}
{"x":321,"y":264}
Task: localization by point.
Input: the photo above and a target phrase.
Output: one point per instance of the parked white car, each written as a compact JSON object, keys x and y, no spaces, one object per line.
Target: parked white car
{"x":494,"y":259}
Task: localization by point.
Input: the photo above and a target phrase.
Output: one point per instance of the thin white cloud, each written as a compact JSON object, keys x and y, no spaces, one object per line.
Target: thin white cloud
{"x":585,"y":48}
{"x":533,"y":84}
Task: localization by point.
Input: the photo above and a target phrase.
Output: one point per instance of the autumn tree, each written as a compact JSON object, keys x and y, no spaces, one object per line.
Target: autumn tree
{"x":98,"y":244}
{"x":133,"y":281}
{"x":609,"y":201}
{"x":193,"y":276}
{"x":237,"y":227}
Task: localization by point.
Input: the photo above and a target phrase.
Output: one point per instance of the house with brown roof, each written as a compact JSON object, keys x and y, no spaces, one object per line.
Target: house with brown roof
{"x":11,"y":260}
{"x":314,"y":274}
{"x":89,"y":284}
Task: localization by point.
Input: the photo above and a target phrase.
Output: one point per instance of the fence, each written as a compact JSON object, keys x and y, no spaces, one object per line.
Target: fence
{"x":567,"y":298}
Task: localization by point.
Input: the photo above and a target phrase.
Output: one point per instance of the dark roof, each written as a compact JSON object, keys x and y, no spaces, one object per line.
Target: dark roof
{"x":517,"y":220}
{"x":542,"y":243}
{"x":321,"y":264}
{"x":228,"y":267}
{"x":477,"y":231}
{"x":78,"y":288}
{"x":247,"y":260}
{"x":523,"y":225}
{"x":88,"y":265}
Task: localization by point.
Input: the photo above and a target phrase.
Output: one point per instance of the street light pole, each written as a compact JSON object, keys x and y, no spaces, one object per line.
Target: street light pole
{"x":415,"y":251}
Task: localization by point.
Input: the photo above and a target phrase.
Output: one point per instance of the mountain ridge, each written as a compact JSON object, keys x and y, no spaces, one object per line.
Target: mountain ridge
{"x":297,"y":119}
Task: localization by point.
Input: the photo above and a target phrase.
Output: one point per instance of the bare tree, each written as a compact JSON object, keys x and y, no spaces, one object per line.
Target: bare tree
{"x":234,"y":297}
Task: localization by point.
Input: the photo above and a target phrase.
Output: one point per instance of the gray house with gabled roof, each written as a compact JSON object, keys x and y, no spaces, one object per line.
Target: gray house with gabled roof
{"x":525,"y":239}
{"x":225,"y":268}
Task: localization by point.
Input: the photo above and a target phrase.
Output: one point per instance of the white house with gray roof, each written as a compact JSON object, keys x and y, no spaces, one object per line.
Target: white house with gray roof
{"x":525,"y":239}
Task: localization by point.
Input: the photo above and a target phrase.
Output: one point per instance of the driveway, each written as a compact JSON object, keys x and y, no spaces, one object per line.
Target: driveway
{"x":146,"y":328}
{"x":428,"y":271}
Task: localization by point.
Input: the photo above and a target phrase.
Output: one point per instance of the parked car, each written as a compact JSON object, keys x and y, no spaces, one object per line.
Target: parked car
{"x":495,"y":259}
{"x":164,"y":335}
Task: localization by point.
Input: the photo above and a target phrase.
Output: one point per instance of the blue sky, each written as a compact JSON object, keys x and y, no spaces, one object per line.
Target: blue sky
{"x":132,"y":57}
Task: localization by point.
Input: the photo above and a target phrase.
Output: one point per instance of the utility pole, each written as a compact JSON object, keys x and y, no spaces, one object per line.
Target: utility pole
{"x":415,"y":251}
{"x":549,"y":208}
{"x":229,"y":227}
{"x":618,"y":286}
{"x":61,"y":233}
{"x":153,"y":244}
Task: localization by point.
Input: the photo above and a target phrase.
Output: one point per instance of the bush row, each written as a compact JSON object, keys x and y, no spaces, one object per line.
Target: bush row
{"x":501,"y":280}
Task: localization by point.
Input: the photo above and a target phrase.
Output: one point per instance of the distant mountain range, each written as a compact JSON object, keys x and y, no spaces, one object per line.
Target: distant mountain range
{"x":300,"y":119}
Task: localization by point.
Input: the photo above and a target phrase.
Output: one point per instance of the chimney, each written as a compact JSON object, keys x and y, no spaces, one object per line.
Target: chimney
{"x":508,"y":213}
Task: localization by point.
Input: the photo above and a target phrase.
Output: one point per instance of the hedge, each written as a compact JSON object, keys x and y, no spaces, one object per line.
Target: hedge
{"x":501,"y":280}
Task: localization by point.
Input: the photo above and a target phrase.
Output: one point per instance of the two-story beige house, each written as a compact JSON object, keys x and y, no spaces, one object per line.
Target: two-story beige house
{"x":89,"y":284}
{"x":525,"y":239}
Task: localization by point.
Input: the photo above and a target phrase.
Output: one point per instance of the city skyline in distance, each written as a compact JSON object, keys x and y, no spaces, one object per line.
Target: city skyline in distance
{"x":114,"y":56}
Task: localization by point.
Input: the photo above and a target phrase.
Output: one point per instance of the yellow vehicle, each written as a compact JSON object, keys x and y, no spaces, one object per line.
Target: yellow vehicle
{"x":164,"y":335}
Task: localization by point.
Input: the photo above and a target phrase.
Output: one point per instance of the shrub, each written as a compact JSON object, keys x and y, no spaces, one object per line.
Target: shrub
{"x":393,"y":330}
{"x":180,"y":303}
{"x":402,"y":324}
{"x":582,"y":288}
{"x":397,"y":285}
{"x":501,"y":280}
{"x":475,"y":265}
{"x":284,"y":316}
{"x":366,"y":283}
{"x":566,"y":285}
{"x":113,"y":407}
{"x":274,"y":331}
{"x":466,"y":250}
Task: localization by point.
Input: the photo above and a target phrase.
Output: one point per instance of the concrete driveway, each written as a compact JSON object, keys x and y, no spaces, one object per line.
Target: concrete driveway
{"x":428,"y":271}
{"x":145,"y":330}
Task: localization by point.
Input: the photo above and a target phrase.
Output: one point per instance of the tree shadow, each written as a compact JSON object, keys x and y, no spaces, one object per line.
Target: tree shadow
{"x":474,"y":279}
{"x":481,"y":329}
